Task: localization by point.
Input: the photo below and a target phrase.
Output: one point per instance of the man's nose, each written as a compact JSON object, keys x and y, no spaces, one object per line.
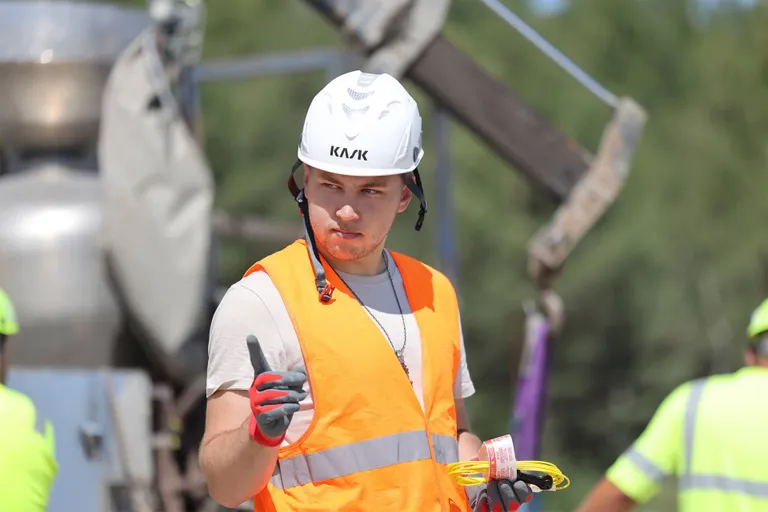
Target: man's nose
{"x":347,"y":214}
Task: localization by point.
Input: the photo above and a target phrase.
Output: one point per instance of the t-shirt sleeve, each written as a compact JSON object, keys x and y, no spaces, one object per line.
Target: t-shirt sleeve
{"x":242,"y":312}
{"x":656,"y":454}
{"x":463,"y":387}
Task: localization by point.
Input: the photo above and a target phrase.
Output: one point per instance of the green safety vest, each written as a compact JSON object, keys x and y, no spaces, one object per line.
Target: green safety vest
{"x":27,"y":455}
{"x":711,"y":434}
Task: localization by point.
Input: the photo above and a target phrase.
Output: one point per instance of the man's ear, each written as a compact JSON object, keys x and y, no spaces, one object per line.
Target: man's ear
{"x":750,"y":357}
{"x":307,"y":169}
{"x":405,"y":199}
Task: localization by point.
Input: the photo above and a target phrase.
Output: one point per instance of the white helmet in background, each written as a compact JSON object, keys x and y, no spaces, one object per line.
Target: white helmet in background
{"x":359,"y":124}
{"x":362,"y":124}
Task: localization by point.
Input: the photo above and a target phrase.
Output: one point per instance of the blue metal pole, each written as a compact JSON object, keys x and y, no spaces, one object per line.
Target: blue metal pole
{"x":268,"y":64}
{"x":444,"y":195}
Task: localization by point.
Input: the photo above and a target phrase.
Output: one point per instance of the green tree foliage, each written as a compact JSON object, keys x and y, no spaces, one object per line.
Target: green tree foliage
{"x":660,"y":290}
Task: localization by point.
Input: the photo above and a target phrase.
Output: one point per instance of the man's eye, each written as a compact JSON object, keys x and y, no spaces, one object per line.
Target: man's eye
{"x":331,"y":186}
{"x":370,"y":191}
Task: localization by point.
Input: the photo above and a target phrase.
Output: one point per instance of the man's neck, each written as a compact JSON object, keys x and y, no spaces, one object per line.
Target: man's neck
{"x":370,"y":265}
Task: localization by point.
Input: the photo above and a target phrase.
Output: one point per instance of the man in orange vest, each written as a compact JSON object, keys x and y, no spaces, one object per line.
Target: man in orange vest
{"x":336,"y":372}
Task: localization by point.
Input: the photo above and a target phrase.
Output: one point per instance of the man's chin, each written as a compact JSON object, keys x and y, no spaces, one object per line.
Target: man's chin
{"x":343,"y":252}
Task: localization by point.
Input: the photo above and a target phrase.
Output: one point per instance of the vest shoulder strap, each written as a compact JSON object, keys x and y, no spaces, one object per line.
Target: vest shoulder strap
{"x":425,"y":285}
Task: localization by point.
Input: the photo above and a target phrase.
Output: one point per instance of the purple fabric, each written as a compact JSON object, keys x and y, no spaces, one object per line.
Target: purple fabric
{"x":530,"y":398}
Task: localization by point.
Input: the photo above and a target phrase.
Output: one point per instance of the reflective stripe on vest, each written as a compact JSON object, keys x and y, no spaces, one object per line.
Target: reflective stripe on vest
{"x":653,"y":472}
{"x":362,"y":456}
{"x":689,"y":425}
{"x":725,"y":484}
{"x":690,"y":481}
{"x":446,"y":449}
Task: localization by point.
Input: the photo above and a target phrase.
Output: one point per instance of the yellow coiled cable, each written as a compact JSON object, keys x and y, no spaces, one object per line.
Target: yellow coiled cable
{"x":468,"y":473}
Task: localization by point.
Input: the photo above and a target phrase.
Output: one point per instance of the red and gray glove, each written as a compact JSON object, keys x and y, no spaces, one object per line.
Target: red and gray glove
{"x":275,"y":397}
{"x":502,"y":496}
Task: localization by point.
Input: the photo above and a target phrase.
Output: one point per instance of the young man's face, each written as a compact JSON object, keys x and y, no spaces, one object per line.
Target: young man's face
{"x":351,"y":216}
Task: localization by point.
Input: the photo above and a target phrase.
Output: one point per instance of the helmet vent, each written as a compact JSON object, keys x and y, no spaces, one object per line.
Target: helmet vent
{"x":357,"y":95}
{"x":367,"y":79}
{"x":354,"y":113}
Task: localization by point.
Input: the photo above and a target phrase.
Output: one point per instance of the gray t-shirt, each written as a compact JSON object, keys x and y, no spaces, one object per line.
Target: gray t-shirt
{"x":253,"y":306}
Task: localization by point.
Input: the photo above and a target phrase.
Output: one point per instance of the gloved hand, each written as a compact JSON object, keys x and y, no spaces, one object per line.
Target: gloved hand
{"x":502,"y":496}
{"x":275,"y":397}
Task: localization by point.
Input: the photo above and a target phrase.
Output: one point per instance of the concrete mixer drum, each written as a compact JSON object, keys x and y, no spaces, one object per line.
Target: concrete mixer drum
{"x":51,"y":264}
{"x":55,"y":58}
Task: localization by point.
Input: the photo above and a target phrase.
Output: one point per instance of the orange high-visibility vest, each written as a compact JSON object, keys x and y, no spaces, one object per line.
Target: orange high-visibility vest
{"x":370,"y":445}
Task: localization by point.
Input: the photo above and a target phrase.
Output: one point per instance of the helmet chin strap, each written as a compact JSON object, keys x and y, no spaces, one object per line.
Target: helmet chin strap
{"x":324,"y":288}
{"x":416,"y":189}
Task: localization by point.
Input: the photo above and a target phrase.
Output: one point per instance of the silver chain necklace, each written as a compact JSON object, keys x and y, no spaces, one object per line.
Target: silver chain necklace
{"x":400,"y":354}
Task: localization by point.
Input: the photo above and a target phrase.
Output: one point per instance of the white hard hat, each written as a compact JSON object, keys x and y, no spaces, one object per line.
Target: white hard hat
{"x":362,"y":124}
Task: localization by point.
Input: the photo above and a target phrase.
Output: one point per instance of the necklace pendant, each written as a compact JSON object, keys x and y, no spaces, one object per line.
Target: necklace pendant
{"x":405,"y":367}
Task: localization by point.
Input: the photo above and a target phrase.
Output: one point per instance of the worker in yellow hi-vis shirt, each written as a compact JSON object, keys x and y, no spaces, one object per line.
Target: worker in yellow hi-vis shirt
{"x":712,"y":434}
{"x":27,"y":451}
